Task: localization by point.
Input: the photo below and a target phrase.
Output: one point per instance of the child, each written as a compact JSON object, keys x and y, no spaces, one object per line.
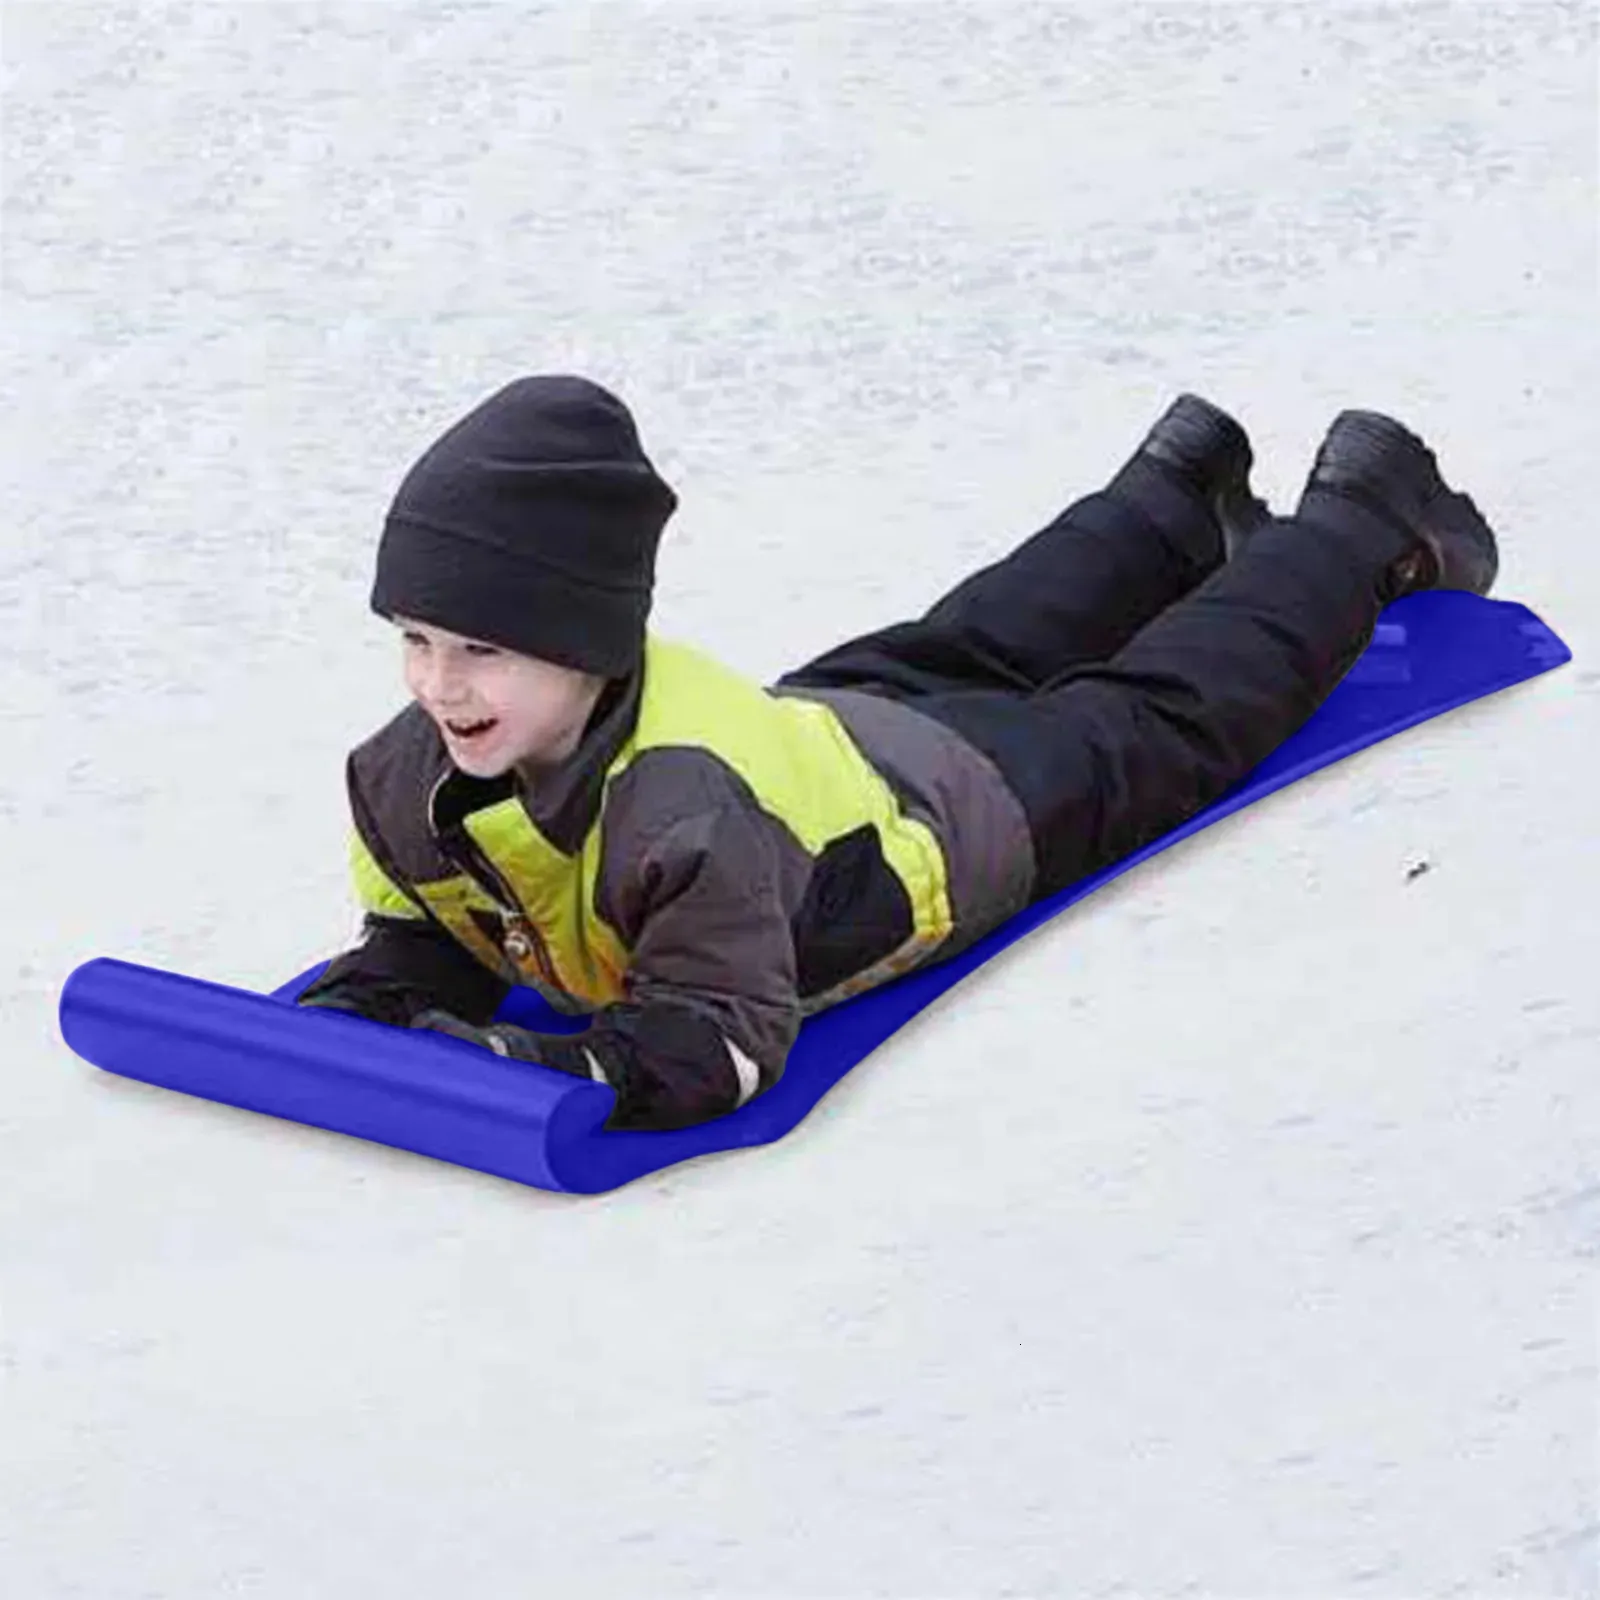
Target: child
{"x":574,"y":803}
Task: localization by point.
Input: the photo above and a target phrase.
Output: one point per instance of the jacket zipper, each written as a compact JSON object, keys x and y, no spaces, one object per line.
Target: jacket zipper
{"x":521,"y":932}
{"x":522,"y":935}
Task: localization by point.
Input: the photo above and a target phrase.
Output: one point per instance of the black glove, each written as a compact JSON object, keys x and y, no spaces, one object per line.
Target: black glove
{"x":504,"y":1038}
{"x":334,"y":1003}
{"x":389,"y":1001}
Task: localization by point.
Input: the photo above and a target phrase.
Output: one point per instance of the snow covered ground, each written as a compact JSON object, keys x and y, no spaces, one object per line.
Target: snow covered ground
{"x":1272,"y":1270}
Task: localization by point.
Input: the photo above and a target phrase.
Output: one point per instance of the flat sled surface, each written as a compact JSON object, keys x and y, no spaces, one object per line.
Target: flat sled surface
{"x":439,"y":1097}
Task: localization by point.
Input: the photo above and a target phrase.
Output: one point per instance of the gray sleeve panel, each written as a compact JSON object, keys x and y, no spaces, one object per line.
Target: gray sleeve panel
{"x":700,"y":883}
{"x":959,"y":792}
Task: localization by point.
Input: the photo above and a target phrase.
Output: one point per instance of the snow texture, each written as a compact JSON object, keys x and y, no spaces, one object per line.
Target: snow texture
{"x":1278,"y":1273}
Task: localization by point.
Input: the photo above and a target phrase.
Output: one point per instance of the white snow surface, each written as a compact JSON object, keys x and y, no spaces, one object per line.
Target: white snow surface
{"x":1234,"y":1234}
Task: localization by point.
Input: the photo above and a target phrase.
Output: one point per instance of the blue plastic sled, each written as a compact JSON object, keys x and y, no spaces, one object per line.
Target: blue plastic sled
{"x":439,"y":1097}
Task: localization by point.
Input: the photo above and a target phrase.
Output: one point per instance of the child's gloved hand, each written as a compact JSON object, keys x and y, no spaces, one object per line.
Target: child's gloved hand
{"x":501,"y":1037}
{"x":332,"y":1002}
{"x":518,"y":1044}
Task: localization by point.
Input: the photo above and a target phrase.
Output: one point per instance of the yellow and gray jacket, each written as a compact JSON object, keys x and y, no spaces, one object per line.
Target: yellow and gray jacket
{"x":713,"y":863}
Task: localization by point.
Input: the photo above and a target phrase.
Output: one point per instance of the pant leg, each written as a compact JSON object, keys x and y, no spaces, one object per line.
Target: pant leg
{"x":1107,"y":756}
{"x":1077,"y":591}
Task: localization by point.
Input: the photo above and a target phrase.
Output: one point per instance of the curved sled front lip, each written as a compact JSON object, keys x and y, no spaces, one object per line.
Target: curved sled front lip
{"x":413,"y":1090}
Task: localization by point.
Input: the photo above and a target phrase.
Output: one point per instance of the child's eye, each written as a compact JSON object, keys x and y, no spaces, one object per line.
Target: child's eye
{"x":482,"y":650}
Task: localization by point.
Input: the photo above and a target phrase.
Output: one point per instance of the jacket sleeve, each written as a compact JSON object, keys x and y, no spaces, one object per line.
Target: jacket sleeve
{"x":711,"y":1005}
{"x":402,"y":967}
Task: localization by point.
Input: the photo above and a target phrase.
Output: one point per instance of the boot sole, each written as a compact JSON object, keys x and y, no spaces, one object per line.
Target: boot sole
{"x":1192,"y":431}
{"x":1381,"y":464}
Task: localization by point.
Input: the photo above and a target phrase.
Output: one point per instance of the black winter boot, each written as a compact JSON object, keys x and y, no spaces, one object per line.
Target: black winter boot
{"x":1375,"y":462}
{"x":1211,"y":452}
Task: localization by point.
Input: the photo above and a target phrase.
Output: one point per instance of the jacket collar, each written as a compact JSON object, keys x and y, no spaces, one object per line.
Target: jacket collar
{"x":566,"y":800}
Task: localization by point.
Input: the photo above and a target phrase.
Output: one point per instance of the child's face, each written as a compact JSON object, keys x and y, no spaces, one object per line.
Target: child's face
{"x":536,"y":710}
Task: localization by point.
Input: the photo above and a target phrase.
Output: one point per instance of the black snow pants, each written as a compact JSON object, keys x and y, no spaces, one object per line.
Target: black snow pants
{"x":1120,"y":673}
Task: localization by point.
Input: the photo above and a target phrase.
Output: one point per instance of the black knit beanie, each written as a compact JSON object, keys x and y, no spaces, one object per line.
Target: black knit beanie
{"x":532,"y":524}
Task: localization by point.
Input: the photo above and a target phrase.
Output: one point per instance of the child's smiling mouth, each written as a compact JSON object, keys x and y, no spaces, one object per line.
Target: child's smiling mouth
{"x":465,"y":732}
